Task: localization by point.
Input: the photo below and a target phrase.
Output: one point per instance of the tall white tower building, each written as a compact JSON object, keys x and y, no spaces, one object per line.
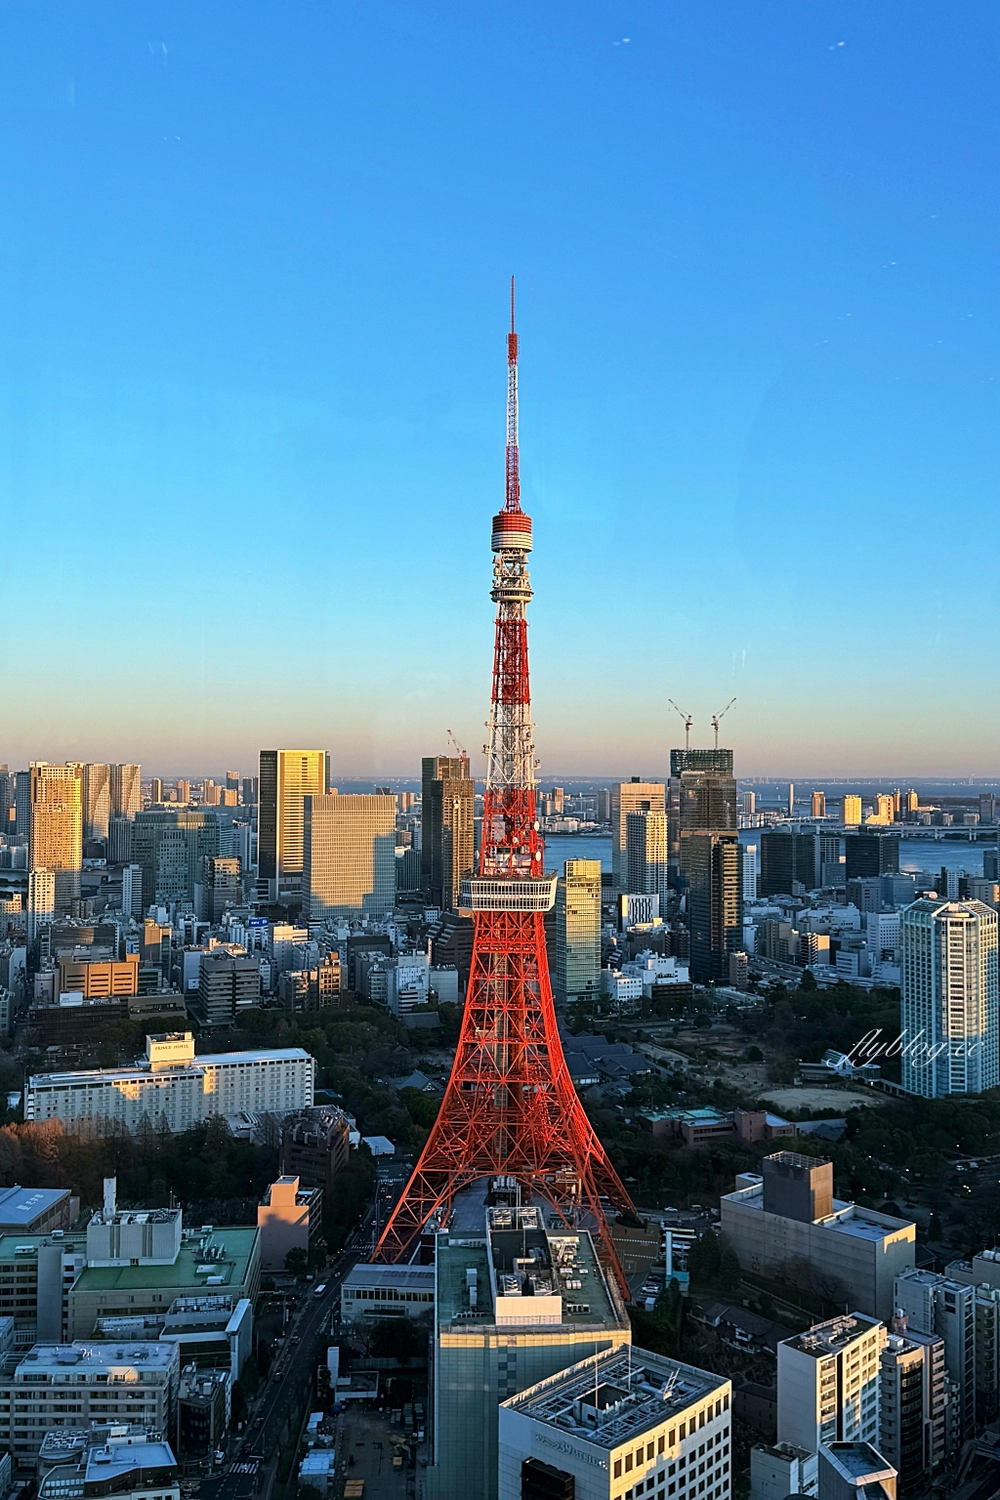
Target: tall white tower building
{"x":950,"y":1023}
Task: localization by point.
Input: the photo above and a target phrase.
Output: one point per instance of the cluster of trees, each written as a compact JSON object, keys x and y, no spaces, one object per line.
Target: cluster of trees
{"x":804,"y":1022}
{"x":205,"y":1166}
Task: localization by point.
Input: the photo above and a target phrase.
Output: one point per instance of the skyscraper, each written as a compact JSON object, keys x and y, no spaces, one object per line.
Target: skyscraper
{"x":41,"y":901}
{"x":627,"y":797}
{"x":713,"y":870}
{"x":349,"y":856}
{"x":126,"y":791}
{"x":750,"y":872}
{"x":852,"y":810}
{"x":155,"y":790}
{"x":578,"y":930}
{"x":646,"y":854}
{"x":818,"y":805}
{"x":55,"y":840}
{"x":287,"y":777}
{"x":788,"y":859}
{"x":701,"y":798}
{"x":447,"y":847}
{"x":171,"y":845}
{"x":950,"y":1021}
{"x":96,"y":801}
{"x":869,"y":854}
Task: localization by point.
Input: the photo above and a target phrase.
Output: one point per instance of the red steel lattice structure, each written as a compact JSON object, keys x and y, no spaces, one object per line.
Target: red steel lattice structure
{"x":510,"y":1108}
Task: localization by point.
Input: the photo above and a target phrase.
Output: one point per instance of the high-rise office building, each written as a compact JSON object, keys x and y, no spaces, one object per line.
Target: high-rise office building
{"x":578,"y":931}
{"x":788,"y":859}
{"x":434,"y":768}
{"x":249,"y":791}
{"x":603,"y":809}
{"x":911,"y":801}
{"x":646,"y":854}
{"x":55,"y":839}
{"x":287,"y":778}
{"x":183,"y":792}
{"x":96,"y":801}
{"x":232,"y":781}
{"x":171,"y":845}
{"x":817,"y":805}
{"x":350,"y":856}
{"x":447,"y":844}
{"x":155,"y":790}
{"x":950,"y":1021}
{"x":120,"y":841}
{"x":223,"y":886}
{"x":126,"y":791}
{"x":132,"y":891}
{"x":871,"y":854}
{"x":701,"y":798}
{"x":713,"y":871}
{"x":828,"y":1383}
{"x":628,"y":797}
{"x":791,"y":799}
{"x":852,"y":810}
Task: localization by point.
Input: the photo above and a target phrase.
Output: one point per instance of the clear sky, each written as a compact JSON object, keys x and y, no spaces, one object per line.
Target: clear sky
{"x":252,"y":315}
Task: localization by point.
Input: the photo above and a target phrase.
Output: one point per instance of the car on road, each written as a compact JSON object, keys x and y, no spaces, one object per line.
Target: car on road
{"x":319,"y":1290}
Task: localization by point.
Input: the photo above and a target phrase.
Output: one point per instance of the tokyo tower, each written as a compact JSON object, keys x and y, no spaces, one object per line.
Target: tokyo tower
{"x":510,"y":1108}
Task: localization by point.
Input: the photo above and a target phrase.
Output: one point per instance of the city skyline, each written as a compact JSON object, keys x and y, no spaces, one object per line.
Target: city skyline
{"x":252,"y":332}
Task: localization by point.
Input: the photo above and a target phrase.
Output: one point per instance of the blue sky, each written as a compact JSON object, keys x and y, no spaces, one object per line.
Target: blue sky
{"x":252,"y":303}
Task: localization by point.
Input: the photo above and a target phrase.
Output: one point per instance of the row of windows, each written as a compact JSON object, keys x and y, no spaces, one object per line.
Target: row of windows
{"x":675,"y":1435}
{"x":711,"y":1476}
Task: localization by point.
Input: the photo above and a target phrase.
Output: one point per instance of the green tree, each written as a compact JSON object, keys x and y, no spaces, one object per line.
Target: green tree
{"x":296,"y":1262}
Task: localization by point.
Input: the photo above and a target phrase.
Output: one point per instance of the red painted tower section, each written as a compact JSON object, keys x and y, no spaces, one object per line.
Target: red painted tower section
{"x":510,"y":1108}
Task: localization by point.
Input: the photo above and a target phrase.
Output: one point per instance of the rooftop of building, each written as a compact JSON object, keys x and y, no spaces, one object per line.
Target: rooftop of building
{"x":615,"y":1396}
{"x":62,"y":1443}
{"x":219,"y":1258}
{"x":824,"y":1339}
{"x":142,"y":1069}
{"x":21,"y":1205}
{"x":929,"y":1278}
{"x":859,"y":1461}
{"x":557,"y":1264}
{"x":115,"y":1460}
{"x":846,"y":1218}
{"x":21,"y":1246}
{"x":401,"y":1278}
{"x":59,"y":1359}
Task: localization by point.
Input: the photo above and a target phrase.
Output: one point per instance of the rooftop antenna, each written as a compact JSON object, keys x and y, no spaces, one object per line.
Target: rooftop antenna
{"x":717,"y":720}
{"x":688,"y":721}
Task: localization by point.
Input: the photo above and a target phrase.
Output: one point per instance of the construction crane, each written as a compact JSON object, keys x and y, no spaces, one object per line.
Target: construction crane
{"x":688,"y":721}
{"x":462,"y":754}
{"x":717,"y":720}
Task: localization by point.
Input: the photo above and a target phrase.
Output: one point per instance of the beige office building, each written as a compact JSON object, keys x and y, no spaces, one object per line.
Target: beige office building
{"x":630,"y":797}
{"x":829,"y":1381}
{"x":55,"y":838}
{"x":350,"y":856}
{"x":287,"y":778}
{"x":578,"y":930}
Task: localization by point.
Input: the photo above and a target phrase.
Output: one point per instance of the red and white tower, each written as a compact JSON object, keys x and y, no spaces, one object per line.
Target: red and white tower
{"x":510,"y":1108}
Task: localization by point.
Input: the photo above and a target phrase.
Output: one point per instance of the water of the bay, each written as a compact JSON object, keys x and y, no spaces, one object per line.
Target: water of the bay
{"x":914,"y":854}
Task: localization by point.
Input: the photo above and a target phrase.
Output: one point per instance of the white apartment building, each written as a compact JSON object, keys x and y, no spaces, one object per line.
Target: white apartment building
{"x":620,"y":1424}
{"x":950,"y":1020}
{"x":74,"y":1385}
{"x":175,"y":1085}
{"x":828,"y":1383}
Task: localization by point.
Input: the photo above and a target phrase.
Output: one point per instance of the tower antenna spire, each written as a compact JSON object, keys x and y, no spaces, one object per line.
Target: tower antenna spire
{"x":510,"y":1109}
{"x":513,"y":458}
